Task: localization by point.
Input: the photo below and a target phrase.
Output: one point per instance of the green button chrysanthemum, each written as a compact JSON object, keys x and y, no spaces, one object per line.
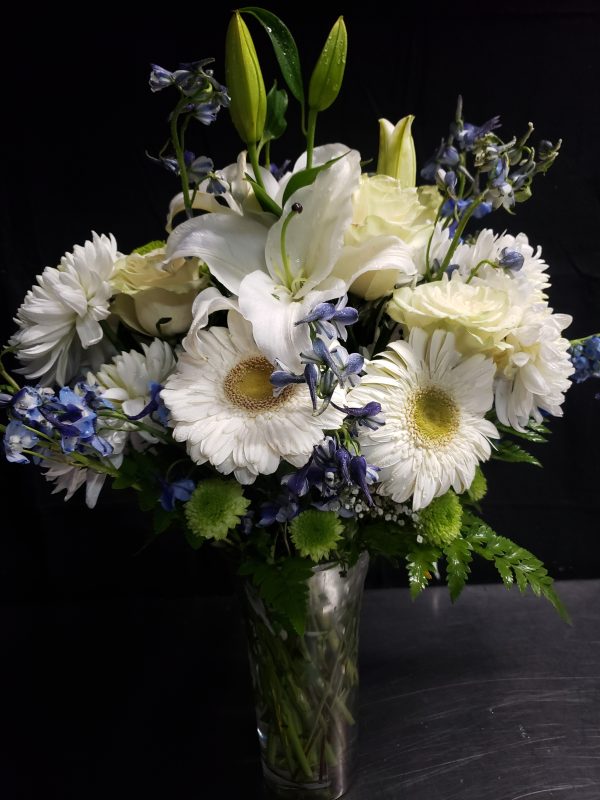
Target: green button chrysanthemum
{"x":441,"y":520}
{"x":477,"y":490}
{"x":215,"y":508}
{"x":316,"y":533}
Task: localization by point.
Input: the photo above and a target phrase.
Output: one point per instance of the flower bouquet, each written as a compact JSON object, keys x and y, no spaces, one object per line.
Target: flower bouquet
{"x":310,"y":368}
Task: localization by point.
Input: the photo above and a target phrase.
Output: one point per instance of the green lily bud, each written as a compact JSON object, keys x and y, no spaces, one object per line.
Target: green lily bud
{"x":328,"y":74}
{"x":397,"y":156}
{"x":244,"y":79}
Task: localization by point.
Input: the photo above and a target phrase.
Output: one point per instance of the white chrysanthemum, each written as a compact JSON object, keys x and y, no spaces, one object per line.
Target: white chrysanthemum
{"x":69,"y":478}
{"x":526,"y":285}
{"x":434,"y":401}
{"x":222,"y":404}
{"x":60,"y":317}
{"x":534,"y":370}
{"x":126,"y":380}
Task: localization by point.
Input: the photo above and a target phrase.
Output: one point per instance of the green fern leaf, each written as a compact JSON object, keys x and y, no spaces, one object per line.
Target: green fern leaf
{"x":458,"y":558}
{"x":420,"y":563}
{"x":283,"y":586}
{"x":514,"y":563}
{"x":511,"y":451}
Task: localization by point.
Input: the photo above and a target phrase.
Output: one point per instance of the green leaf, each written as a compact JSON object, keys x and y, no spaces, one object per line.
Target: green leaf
{"x":305,"y":177}
{"x":420,"y":563}
{"x":514,"y":563}
{"x":266,"y":201}
{"x":283,"y":586}
{"x":458,"y":558}
{"x":386,"y":539}
{"x":277,"y":103}
{"x":162,"y":520}
{"x":510,"y":451}
{"x":535,"y":434}
{"x":195,"y":542}
{"x":284,"y":46}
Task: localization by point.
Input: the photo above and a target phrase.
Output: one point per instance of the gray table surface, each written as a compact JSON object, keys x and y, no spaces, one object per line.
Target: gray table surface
{"x":492,"y":699}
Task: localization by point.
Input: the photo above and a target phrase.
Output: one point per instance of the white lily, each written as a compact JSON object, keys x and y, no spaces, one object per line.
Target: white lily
{"x":280,"y":270}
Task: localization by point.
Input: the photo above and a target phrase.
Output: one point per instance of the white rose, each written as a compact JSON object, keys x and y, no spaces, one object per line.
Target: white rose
{"x":148,"y":290}
{"x":479,"y":316}
{"x":381,"y":207}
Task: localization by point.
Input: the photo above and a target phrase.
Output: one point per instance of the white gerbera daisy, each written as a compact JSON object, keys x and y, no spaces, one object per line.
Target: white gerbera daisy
{"x":222,"y":404}
{"x":434,"y":401}
{"x":60,"y":317}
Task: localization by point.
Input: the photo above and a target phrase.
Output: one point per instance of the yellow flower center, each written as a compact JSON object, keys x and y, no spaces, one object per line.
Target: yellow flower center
{"x":435,"y":416}
{"x":248,"y":385}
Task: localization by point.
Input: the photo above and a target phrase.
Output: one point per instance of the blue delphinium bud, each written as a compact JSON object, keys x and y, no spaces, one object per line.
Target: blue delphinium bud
{"x":360,"y":471}
{"x":470,"y":133}
{"x":450,"y":156}
{"x":160,"y":78}
{"x":331,"y":321}
{"x":176,"y":490}
{"x":511,"y":259}
{"x":483,"y":209}
{"x":200,"y":168}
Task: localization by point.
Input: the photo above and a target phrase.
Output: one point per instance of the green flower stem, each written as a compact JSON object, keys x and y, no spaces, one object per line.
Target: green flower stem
{"x":138,"y":425}
{"x":459,"y":232}
{"x":310,"y":136}
{"x":583,"y":339}
{"x":475,"y":269}
{"x":267,"y":154}
{"x":427,"y":252}
{"x":8,"y":378}
{"x":297,"y":745}
{"x":253,"y":156}
{"x":304,"y":689}
{"x":179,"y":153}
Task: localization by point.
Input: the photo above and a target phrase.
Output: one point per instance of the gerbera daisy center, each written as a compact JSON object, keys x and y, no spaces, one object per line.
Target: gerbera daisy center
{"x":248,"y":385}
{"x":435,"y":416}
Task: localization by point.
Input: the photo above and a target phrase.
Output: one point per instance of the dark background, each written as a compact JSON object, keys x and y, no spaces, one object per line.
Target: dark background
{"x":78,"y":118}
{"x":116,"y":679}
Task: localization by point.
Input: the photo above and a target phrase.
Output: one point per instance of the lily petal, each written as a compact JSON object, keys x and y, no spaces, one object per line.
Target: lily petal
{"x":314,"y":238}
{"x":231,"y":246}
{"x":272,"y":312}
{"x":207,"y":302}
{"x":383,"y":262}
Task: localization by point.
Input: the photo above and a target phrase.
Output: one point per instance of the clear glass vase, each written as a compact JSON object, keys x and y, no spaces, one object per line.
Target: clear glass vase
{"x":306,"y":687}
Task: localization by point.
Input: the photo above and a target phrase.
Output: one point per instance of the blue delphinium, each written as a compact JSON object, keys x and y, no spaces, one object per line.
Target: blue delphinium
{"x":585,"y":357}
{"x":328,"y":364}
{"x":477,"y":172}
{"x":206,"y":95}
{"x":69,"y":418}
{"x":180,"y":490}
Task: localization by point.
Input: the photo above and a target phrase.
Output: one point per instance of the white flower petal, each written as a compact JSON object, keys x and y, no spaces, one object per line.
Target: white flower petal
{"x":314,"y":238}
{"x":231,"y":246}
{"x":273,"y":314}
